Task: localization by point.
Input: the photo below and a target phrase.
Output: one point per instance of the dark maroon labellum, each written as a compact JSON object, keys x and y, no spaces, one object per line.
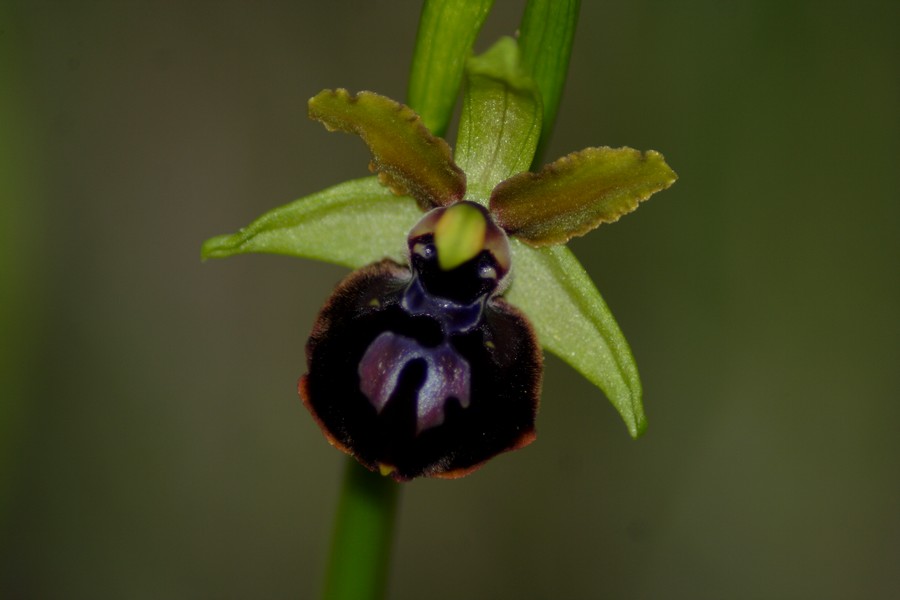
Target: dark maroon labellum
{"x":418,"y":371}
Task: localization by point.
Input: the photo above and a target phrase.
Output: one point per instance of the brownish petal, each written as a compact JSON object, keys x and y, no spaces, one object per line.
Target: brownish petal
{"x":578,"y":192}
{"x":406,"y":156}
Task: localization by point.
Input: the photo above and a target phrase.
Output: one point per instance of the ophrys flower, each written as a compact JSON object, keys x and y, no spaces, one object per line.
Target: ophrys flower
{"x":418,"y":365}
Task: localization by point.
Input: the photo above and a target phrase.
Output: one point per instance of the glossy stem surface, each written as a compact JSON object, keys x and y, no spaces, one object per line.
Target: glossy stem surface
{"x":359,"y":564}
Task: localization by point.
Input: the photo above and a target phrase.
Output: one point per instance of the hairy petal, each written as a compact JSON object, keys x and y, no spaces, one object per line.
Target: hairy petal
{"x":407,"y":158}
{"x":578,"y":192}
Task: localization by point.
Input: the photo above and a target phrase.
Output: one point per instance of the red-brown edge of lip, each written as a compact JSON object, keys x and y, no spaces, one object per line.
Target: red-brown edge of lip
{"x":527,"y":436}
{"x":525,"y":439}
{"x":303,"y":391}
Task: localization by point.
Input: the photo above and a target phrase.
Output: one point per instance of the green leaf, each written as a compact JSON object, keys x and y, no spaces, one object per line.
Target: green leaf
{"x":447,"y":30}
{"x":545,"y":36}
{"x":406,"y":156}
{"x":578,"y":192}
{"x":573,"y":322}
{"x":501,"y":119}
{"x":351,"y":224}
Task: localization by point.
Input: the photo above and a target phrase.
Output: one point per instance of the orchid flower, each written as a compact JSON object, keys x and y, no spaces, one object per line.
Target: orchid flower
{"x":426,"y":360}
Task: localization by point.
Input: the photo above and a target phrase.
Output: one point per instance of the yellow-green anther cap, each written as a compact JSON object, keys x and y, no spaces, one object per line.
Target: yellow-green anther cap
{"x":459,"y":235}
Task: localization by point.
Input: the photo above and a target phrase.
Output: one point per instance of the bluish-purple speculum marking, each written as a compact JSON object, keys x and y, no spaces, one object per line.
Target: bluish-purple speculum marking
{"x":446,"y":376}
{"x":421,"y":370}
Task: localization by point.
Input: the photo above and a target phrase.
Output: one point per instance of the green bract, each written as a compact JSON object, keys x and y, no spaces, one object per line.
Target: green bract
{"x":545,"y":36}
{"x":447,"y":30}
{"x":360,"y":222}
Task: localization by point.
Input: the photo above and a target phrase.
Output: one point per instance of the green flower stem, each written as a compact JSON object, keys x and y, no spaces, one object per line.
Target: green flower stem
{"x":361,"y":545}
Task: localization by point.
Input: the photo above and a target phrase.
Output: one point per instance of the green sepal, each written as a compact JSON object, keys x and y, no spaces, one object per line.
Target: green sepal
{"x":354,"y":223}
{"x":545,"y":37}
{"x":500,"y":122}
{"x":577,"y":193}
{"x":573,"y":322}
{"x":447,"y":30}
{"x":407,"y":158}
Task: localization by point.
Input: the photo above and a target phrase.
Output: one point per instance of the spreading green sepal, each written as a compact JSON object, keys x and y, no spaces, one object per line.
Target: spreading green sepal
{"x":572,"y":321}
{"x":351,"y":224}
{"x":545,"y":37}
{"x":407,"y":158}
{"x":501,"y":119}
{"x":447,"y":30}
{"x":578,"y":192}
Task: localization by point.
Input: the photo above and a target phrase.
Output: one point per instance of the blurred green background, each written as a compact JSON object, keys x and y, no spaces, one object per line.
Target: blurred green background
{"x":151,"y":441}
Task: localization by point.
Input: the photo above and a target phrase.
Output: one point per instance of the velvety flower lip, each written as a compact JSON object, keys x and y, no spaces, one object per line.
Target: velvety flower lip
{"x":411,"y":373}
